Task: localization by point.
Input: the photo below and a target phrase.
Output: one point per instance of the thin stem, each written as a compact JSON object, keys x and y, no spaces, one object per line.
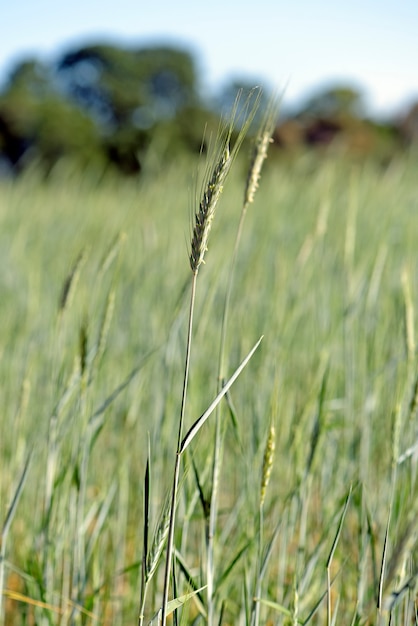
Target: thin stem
{"x":217,"y":454}
{"x":144,"y":585}
{"x":170,"y":542}
{"x":259,"y":155}
{"x":255,"y":613}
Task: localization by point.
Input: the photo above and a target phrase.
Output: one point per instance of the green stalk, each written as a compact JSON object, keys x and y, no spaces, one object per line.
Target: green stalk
{"x":257,"y":158}
{"x":170,"y":543}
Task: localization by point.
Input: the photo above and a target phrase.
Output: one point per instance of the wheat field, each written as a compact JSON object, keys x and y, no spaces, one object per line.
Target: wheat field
{"x":316,"y":441}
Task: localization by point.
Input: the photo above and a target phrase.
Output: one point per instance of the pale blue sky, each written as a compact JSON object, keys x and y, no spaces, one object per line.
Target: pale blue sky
{"x":301,"y":43}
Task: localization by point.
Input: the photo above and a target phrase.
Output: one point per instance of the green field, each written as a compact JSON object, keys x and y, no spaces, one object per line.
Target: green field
{"x":95,"y":288}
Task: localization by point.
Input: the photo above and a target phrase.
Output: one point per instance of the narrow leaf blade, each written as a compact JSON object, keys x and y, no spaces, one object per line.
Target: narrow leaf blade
{"x":202,"y":419}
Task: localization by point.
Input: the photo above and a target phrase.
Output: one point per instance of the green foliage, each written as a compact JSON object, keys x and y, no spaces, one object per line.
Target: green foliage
{"x":109,"y":106}
{"x":339,"y":101}
{"x":100,"y":105}
{"x":48,"y":125}
{"x":129,"y":87}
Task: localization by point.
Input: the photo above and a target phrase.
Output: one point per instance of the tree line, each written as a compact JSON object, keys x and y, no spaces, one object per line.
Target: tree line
{"x":108,"y":106}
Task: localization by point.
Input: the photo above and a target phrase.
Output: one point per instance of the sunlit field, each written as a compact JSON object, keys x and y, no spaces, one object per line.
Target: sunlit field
{"x":94,"y":298}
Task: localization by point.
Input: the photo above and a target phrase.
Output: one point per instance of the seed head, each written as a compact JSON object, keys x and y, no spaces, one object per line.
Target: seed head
{"x":258,"y":156}
{"x":267,"y":462}
{"x":207,"y":206}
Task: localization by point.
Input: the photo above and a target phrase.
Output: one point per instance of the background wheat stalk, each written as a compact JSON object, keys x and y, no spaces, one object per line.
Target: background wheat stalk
{"x":258,"y":155}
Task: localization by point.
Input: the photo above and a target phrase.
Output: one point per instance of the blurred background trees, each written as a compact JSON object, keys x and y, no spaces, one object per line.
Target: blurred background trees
{"x":111,"y":107}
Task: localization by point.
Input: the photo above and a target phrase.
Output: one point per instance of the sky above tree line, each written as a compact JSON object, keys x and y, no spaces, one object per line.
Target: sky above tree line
{"x":299,"y":46}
